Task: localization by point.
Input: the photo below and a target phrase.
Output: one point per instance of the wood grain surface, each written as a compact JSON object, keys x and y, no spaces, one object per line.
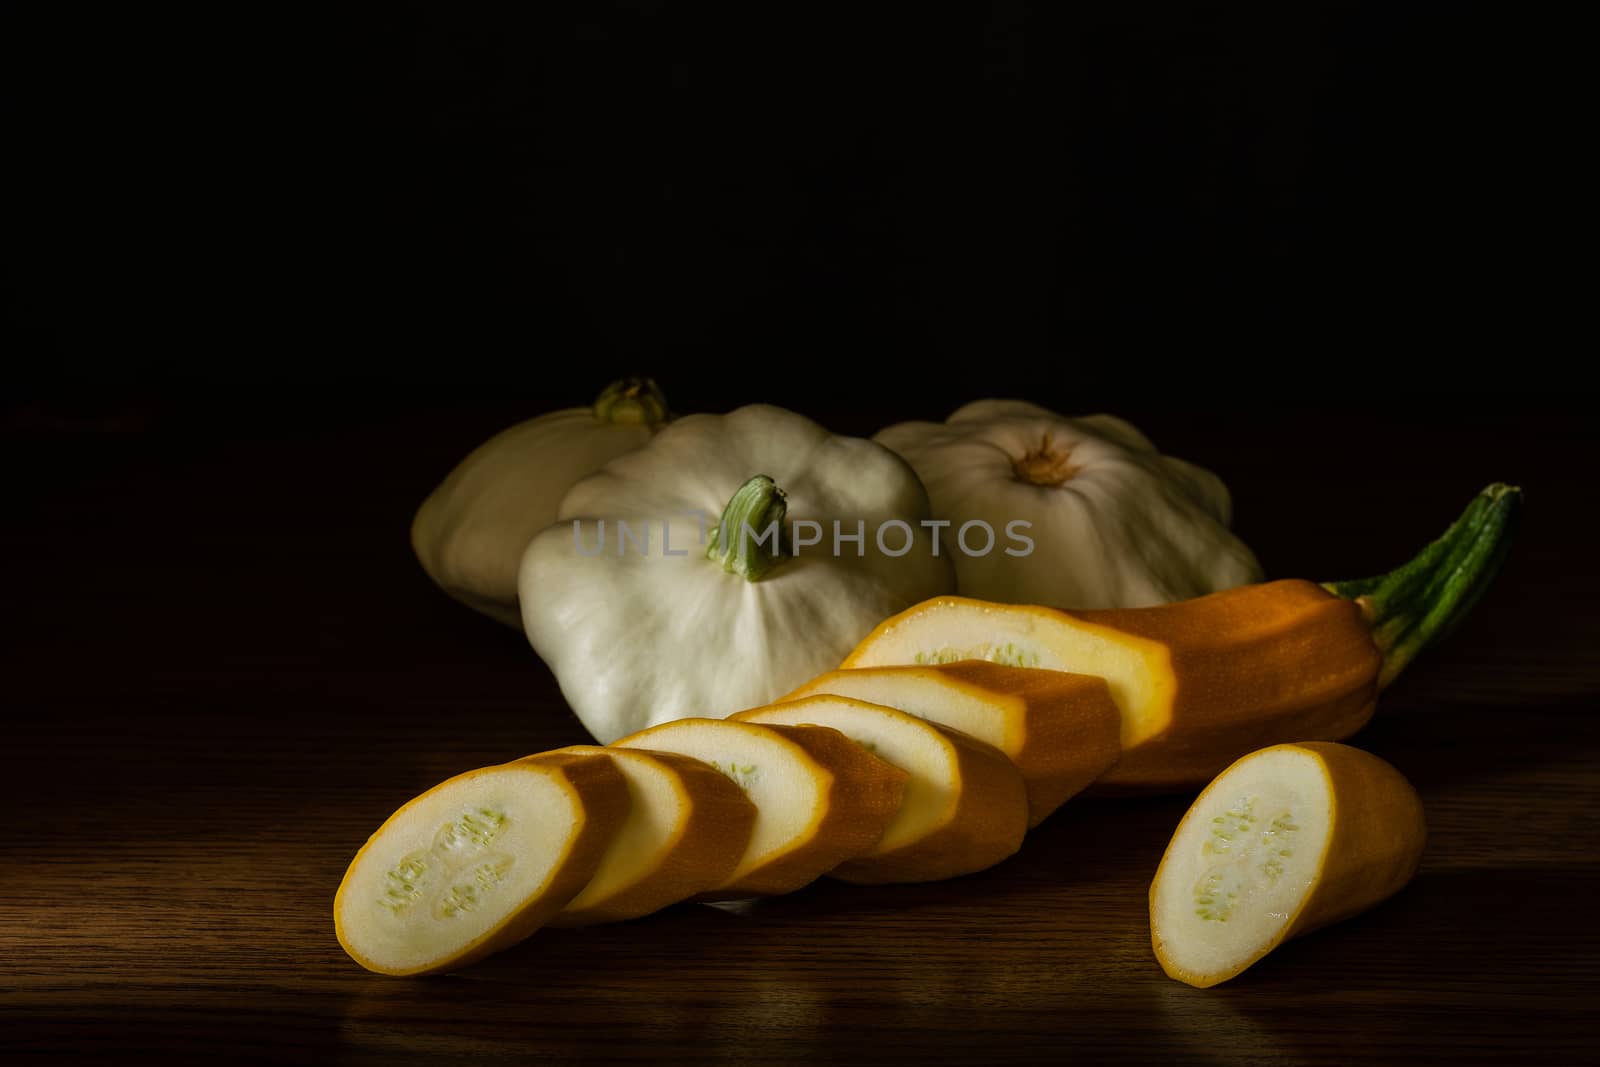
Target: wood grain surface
{"x":224,"y":670}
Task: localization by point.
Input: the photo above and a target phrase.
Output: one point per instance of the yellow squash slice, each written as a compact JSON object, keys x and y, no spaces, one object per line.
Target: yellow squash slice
{"x":820,"y":798}
{"x":965,"y":807}
{"x":1286,"y":840}
{"x":1199,"y":683}
{"x":1060,"y":730}
{"x":478,"y":862}
{"x":686,"y":830}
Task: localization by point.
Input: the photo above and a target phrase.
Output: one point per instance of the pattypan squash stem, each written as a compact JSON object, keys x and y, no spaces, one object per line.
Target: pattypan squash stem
{"x":1418,"y":604}
{"x":632,"y":401}
{"x":748,"y":539}
{"x":1048,"y":466}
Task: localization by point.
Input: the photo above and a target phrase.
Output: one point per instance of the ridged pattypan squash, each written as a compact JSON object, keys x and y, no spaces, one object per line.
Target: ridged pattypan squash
{"x":722,"y":565}
{"x":470,"y":532}
{"x":1087,"y":513}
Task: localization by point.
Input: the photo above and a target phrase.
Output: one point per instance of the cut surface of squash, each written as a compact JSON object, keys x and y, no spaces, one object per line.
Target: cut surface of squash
{"x":951,"y":629}
{"x":1060,"y":730}
{"x":478,"y":863}
{"x":686,"y":829}
{"x":1286,"y":840}
{"x":820,"y":798}
{"x":965,"y":806}
{"x":1198,"y":683}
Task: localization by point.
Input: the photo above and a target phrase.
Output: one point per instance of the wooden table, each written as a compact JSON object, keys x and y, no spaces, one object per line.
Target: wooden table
{"x":225,"y":669}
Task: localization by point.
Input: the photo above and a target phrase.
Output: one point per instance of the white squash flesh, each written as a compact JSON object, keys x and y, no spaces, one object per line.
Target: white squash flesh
{"x":820,"y":798}
{"x":1241,"y":863}
{"x":1287,"y":839}
{"x":965,"y":807}
{"x":477,"y":863}
{"x":1059,"y":730}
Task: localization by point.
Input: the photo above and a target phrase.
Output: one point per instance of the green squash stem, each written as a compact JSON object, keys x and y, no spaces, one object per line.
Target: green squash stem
{"x":748,"y":539}
{"x":1420,"y":603}
{"x":632,"y":401}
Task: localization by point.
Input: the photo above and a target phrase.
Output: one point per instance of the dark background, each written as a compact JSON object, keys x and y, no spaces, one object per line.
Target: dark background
{"x":271,"y":273}
{"x":1317,"y":203}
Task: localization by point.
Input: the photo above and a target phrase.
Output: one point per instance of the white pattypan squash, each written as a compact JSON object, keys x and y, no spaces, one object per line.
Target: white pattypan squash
{"x":469,"y":534}
{"x":647,"y":611}
{"x":1087,"y":513}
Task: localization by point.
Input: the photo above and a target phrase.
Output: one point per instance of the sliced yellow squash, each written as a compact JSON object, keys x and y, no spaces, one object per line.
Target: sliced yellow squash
{"x":820,"y":798}
{"x":1286,"y":840}
{"x":965,"y":807}
{"x":478,"y":862}
{"x":1060,"y":730}
{"x":686,"y":829}
{"x":1198,"y":683}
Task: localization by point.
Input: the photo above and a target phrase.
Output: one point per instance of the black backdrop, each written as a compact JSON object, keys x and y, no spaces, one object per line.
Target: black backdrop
{"x":1319,"y":201}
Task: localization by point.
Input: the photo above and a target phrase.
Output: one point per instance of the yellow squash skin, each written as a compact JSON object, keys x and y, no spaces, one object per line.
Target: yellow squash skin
{"x":1250,"y":667}
{"x":993,"y":820}
{"x":1066,"y":750}
{"x":704,"y":851}
{"x":1378,"y":839}
{"x":863,"y":793}
{"x":982,"y":823}
{"x":866,"y":794}
{"x":1062,"y":733}
{"x":1374,"y":846}
{"x":1222,"y":674}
